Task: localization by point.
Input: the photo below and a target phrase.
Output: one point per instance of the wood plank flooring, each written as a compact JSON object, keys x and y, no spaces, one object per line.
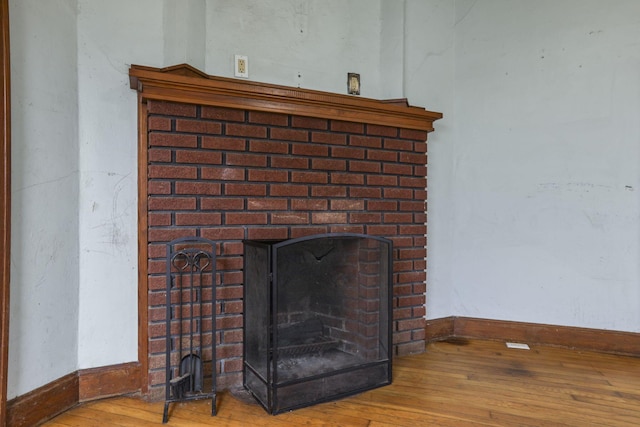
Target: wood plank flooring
{"x":455,"y":383}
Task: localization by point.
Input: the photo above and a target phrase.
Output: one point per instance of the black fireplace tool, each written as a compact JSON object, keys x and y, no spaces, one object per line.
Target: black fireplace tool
{"x":190,"y":305}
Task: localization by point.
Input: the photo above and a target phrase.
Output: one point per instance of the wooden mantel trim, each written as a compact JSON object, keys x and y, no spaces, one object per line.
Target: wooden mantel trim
{"x":183,"y":83}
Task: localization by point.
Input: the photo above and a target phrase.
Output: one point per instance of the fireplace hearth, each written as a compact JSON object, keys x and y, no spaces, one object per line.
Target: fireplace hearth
{"x":317,"y":318}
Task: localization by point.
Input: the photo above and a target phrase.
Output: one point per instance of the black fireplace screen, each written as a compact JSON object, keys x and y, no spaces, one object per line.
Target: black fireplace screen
{"x":317,"y":318}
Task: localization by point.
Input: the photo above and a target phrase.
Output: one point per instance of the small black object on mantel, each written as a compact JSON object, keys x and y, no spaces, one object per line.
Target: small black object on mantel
{"x":353,"y":83}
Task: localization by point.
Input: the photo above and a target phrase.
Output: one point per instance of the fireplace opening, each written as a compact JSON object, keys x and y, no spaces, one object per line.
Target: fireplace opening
{"x":317,"y":318}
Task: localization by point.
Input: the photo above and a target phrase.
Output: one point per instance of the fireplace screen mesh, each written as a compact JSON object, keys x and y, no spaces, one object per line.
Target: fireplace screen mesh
{"x":317,"y":318}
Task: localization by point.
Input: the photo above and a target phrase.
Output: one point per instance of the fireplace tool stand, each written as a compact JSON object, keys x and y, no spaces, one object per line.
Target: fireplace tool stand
{"x":190,"y":322}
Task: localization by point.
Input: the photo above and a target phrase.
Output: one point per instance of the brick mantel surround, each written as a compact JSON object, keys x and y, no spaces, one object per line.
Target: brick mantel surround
{"x":229,"y":159}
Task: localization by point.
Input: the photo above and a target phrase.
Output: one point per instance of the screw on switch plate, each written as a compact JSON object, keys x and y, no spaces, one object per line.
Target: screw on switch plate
{"x":241,"y":67}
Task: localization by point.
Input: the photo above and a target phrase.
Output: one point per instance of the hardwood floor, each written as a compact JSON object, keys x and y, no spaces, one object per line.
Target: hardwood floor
{"x":455,"y":383}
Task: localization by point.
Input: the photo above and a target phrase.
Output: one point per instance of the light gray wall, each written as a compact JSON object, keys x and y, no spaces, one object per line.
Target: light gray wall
{"x":184,"y":27}
{"x":429,"y":81}
{"x":545,"y":166}
{"x":392,"y":49}
{"x":43,"y":338}
{"x":302,"y":43}
{"x":111,"y":36}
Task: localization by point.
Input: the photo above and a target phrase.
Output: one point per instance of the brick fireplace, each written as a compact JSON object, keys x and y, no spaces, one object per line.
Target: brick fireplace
{"x":230,"y":160}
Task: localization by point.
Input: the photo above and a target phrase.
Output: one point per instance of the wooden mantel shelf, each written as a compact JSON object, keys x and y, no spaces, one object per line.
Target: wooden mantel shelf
{"x":183,"y":83}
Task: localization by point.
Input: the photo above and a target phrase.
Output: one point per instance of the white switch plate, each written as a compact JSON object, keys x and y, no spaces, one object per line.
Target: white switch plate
{"x":241,"y":66}
{"x":518,"y":345}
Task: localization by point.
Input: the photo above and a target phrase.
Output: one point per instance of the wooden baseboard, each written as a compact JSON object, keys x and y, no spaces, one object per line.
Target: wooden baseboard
{"x":47,"y":401}
{"x":439,"y":329}
{"x":114,"y":380}
{"x":606,"y":341}
{"x":44,"y":402}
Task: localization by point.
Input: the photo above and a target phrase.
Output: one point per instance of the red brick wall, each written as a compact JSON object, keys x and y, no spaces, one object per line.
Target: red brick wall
{"x":230,"y":174}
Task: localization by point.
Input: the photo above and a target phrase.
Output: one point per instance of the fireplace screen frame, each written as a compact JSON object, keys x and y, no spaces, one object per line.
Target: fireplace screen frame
{"x":264,"y":379}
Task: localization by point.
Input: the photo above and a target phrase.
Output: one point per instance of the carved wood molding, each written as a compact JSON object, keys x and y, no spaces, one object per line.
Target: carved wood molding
{"x":183,"y":83}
